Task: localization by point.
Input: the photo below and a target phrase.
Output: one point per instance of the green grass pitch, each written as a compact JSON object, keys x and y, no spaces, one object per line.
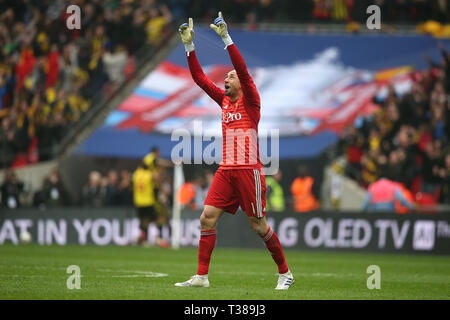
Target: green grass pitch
{"x":39,"y":272}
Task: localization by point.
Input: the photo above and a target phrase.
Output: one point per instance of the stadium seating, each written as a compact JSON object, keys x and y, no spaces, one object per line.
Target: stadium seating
{"x":50,"y":75}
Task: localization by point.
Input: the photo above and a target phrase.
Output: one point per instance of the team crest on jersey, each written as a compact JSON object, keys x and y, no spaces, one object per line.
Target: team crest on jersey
{"x":225,"y":107}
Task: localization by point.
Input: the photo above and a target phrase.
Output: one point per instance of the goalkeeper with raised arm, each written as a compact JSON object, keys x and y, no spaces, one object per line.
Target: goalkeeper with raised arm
{"x":239,"y":181}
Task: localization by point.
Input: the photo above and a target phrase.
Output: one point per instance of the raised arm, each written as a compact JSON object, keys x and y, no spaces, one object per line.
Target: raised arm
{"x":248,"y":86}
{"x":199,"y":77}
{"x":202,"y":80}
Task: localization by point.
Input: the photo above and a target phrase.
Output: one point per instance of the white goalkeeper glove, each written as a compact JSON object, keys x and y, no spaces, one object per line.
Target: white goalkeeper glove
{"x":187,"y":35}
{"x":220,"y":27}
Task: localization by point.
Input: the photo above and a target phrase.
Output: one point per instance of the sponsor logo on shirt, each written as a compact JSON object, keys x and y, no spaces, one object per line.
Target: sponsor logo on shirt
{"x":229,"y":117}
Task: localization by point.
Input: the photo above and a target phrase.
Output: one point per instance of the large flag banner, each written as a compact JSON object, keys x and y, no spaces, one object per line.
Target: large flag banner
{"x":311,"y":87}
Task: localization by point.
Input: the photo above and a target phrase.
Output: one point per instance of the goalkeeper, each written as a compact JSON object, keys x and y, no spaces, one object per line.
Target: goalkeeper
{"x":239,"y":181}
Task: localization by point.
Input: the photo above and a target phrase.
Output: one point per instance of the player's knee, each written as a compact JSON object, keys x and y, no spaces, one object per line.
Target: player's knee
{"x":203,"y":219}
{"x":209,"y":217}
{"x":258,"y":225}
{"x":207,"y":221}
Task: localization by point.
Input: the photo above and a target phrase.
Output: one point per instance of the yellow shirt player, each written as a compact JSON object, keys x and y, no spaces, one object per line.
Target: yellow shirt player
{"x":150,"y":160}
{"x":144,"y":199}
{"x":143,"y":187}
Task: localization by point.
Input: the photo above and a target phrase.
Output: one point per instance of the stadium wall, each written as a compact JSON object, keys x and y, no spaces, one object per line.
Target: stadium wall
{"x":346,"y":194}
{"x":334,"y":231}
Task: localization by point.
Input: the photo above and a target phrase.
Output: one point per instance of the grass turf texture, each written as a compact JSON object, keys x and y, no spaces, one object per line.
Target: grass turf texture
{"x":39,"y":272}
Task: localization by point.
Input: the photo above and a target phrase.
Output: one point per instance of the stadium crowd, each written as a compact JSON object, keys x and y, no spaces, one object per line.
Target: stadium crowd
{"x":324,"y":11}
{"x":112,"y":189}
{"x":407,"y":138}
{"x":50,"y":75}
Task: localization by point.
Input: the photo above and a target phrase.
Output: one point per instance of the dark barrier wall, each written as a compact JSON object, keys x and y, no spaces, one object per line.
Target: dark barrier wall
{"x":364,"y":232}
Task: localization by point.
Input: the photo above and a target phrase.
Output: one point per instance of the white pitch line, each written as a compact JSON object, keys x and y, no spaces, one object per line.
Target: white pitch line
{"x":141,"y":275}
{"x":135,"y":273}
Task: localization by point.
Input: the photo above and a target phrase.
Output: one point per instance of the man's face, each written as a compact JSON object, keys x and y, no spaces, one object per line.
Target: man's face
{"x":232,"y":84}
{"x":277,"y":176}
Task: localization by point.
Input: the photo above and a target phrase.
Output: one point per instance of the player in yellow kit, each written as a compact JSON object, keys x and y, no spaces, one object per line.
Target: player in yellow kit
{"x":157,"y":166}
{"x":144,"y":198}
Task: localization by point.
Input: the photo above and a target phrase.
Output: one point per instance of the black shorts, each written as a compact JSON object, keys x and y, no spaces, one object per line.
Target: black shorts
{"x":146,"y":212}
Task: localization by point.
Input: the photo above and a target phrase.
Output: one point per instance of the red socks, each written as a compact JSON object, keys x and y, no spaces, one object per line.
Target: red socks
{"x":274,"y":246}
{"x":205,"y":248}
{"x":208,"y":241}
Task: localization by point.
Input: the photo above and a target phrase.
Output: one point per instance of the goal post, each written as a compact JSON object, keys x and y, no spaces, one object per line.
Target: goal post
{"x":178,"y":181}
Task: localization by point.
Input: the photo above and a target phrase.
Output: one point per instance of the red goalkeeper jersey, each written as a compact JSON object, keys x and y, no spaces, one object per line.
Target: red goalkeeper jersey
{"x":240,"y":149}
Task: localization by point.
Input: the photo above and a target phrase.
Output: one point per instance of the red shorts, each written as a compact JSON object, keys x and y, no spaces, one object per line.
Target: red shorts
{"x":232,"y":188}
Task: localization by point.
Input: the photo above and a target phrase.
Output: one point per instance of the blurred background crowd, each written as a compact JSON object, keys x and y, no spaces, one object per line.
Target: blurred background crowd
{"x":248,"y":11}
{"x":50,"y":75}
{"x":406,"y":140}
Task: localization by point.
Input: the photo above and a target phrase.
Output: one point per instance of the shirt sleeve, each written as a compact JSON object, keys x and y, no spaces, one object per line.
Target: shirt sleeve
{"x":402,"y":199}
{"x":248,"y":86}
{"x":202,"y":80}
{"x":366,"y":202}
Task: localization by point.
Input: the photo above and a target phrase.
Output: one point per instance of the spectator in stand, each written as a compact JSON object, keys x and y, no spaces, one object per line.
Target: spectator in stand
{"x":186,"y":196}
{"x":430,"y":167}
{"x":93,"y":194}
{"x":159,"y":18}
{"x":192,"y":193}
{"x":8,"y":141}
{"x":209,"y":176}
{"x":383,"y":195}
{"x":201,"y":188}
{"x":352,"y":142}
{"x":115,"y":60}
{"x":53,"y":192}
{"x":304,"y":191}
{"x":11,"y":190}
{"x":125,"y":189}
{"x":393,"y":169}
{"x":112,"y":196}
{"x":444,"y":174}
{"x":274,"y":193}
